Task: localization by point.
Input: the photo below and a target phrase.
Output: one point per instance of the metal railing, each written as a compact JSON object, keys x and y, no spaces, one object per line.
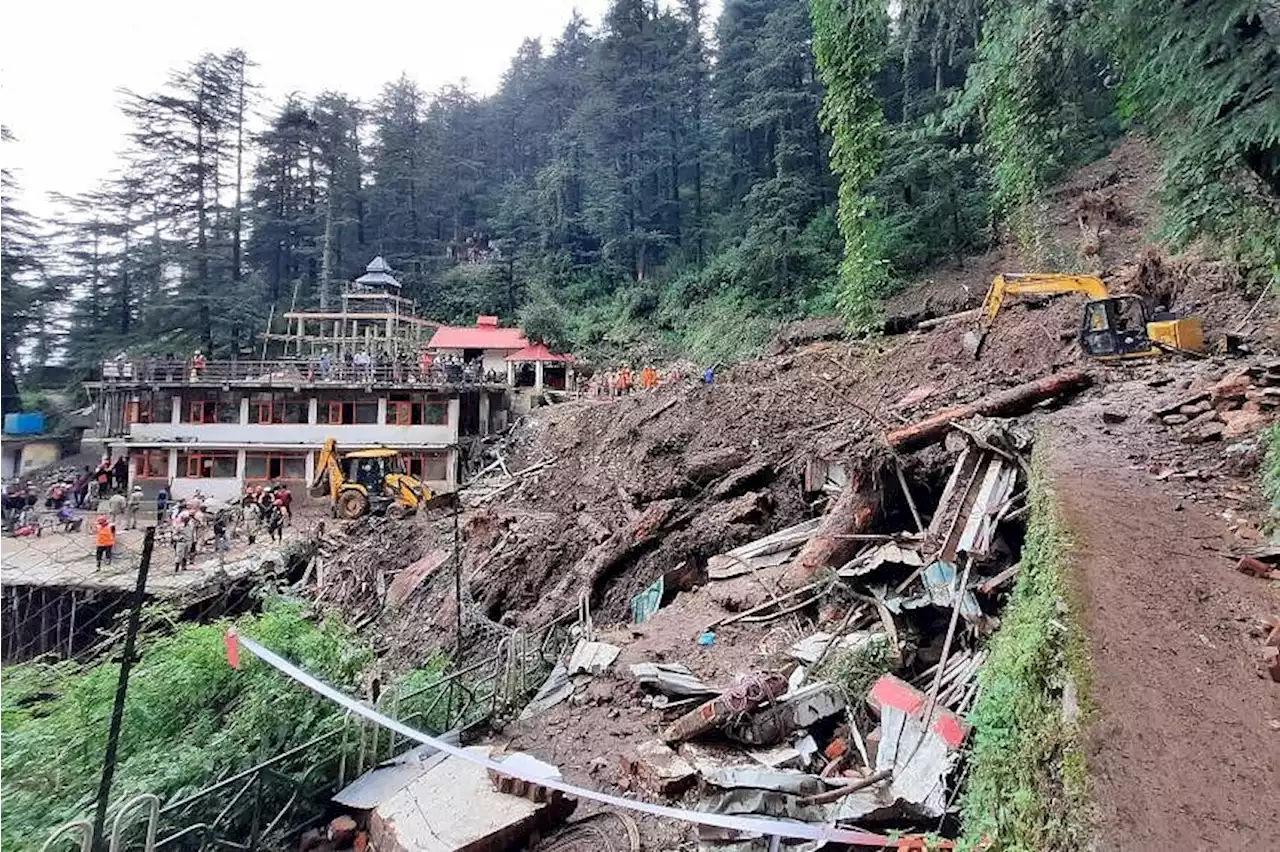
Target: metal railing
{"x":282,"y":795}
{"x":292,"y":372}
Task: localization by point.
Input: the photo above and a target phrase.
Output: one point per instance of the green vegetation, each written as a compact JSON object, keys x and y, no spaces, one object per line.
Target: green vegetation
{"x":189,"y":717}
{"x":1270,"y":475}
{"x":1027,"y":782}
{"x":642,"y":185}
{"x":856,"y":671}
{"x":848,"y":39}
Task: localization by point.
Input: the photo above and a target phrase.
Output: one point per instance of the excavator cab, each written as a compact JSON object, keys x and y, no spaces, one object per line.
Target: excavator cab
{"x":1118,"y":327}
{"x":1115,"y":327}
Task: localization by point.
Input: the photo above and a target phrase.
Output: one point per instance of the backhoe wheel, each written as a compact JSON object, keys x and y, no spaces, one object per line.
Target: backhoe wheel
{"x":398,"y":511}
{"x":352,"y":504}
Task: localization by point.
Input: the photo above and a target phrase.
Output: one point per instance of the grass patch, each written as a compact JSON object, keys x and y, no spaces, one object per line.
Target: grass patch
{"x":856,"y":671}
{"x":1270,"y":475}
{"x":1028,"y":783}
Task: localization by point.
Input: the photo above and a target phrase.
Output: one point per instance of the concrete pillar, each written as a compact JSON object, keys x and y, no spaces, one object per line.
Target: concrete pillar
{"x":240,"y":465}
{"x":511,"y":373}
{"x":173,"y":467}
{"x":382,"y":411}
{"x":484,"y":412}
{"x":244,"y":410}
{"x":175,"y":416}
{"x":537,"y":375}
{"x":311,"y":467}
{"x":313,"y":411}
{"x":455,"y":409}
{"x":451,"y":468}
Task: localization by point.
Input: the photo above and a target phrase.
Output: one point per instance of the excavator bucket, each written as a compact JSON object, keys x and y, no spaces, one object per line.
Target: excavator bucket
{"x":973,"y":339}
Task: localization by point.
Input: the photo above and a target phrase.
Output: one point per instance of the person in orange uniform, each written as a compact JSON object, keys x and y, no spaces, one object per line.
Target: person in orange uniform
{"x":105,"y":539}
{"x":624,"y":380}
{"x":649,"y":378}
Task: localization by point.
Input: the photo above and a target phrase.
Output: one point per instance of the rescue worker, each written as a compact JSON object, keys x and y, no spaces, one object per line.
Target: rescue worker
{"x":184,"y":539}
{"x":133,"y":506}
{"x":116,"y":506}
{"x":221,"y":541}
{"x":624,"y":380}
{"x":275,"y":523}
{"x":105,"y":539}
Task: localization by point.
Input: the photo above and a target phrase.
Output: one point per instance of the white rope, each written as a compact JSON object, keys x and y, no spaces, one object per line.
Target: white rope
{"x":767,"y":827}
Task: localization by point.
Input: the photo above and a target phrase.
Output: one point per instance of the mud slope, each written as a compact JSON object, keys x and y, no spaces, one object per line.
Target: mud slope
{"x":1183,"y":751}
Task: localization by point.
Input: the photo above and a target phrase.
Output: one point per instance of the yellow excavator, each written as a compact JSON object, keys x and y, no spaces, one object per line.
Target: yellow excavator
{"x":363,"y":481}
{"x":1111,"y":327}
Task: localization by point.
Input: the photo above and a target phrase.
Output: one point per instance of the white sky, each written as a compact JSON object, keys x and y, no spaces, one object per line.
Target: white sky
{"x":64,"y":60}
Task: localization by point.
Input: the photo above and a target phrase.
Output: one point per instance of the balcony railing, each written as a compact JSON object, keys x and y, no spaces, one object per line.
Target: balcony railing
{"x":288,"y":373}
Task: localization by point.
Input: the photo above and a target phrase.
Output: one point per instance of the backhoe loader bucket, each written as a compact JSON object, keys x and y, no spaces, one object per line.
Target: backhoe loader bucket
{"x":443,"y":500}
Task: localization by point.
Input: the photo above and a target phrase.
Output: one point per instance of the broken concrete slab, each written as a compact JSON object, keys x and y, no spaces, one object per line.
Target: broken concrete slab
{"x":658,"y":768}
{"x":592,"y":657}
{"x":452,"y":807}
{"x":710,"y":756}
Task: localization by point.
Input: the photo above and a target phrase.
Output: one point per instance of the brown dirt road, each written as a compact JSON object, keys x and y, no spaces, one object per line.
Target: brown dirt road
{"x":1183,"y":750}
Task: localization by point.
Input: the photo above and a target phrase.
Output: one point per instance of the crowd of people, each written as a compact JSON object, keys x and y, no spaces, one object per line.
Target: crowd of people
{"x":351,"y":366}
{"x":196,"y":522}
{"x":189,"y":525}
{"x":624,"y":380}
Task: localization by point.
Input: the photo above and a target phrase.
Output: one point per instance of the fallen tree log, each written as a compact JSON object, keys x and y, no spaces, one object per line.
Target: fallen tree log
{"x":836,"y":540}
{"x":1015,"y":400}
{"x":925,"y":325}
{"x":853,"y":512}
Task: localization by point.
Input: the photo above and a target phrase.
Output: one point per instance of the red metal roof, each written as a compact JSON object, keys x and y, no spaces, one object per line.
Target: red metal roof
{"x":537,"y":352}
{"x":486,"y":334}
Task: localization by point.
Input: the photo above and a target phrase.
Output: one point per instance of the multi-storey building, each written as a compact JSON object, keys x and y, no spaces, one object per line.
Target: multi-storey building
{"x":357,"y":375}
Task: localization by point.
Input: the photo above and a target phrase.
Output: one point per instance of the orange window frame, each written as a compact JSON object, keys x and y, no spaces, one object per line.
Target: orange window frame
{"x":142,"y":465}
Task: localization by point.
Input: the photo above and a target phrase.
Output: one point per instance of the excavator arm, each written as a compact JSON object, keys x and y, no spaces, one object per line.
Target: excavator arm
{"x":328,"y":478}
{"x":1046,"y":284}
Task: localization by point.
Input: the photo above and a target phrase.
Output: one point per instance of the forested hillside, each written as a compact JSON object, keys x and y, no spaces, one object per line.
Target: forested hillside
{"x":659,"y":177}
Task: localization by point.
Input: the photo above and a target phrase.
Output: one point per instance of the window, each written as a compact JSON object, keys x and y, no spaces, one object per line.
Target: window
{"x":275,"y":466}
{"x":278,"y":408}
{"x":151,"y":464}
{"x":405,"y":409}
{"x":207,"y":465}
{"x":218,"y":408}
{"x":346,"y":412}
{"x":149,"y":407}
{"x":428,"y":466}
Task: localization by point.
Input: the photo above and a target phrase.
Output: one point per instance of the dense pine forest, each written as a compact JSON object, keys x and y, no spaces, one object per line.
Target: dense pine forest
{"x":660,"y":177}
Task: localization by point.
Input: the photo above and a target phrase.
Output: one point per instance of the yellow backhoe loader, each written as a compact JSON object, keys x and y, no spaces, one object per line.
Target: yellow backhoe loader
{"x":1111,"y":327}
{"x":363,"y":481}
